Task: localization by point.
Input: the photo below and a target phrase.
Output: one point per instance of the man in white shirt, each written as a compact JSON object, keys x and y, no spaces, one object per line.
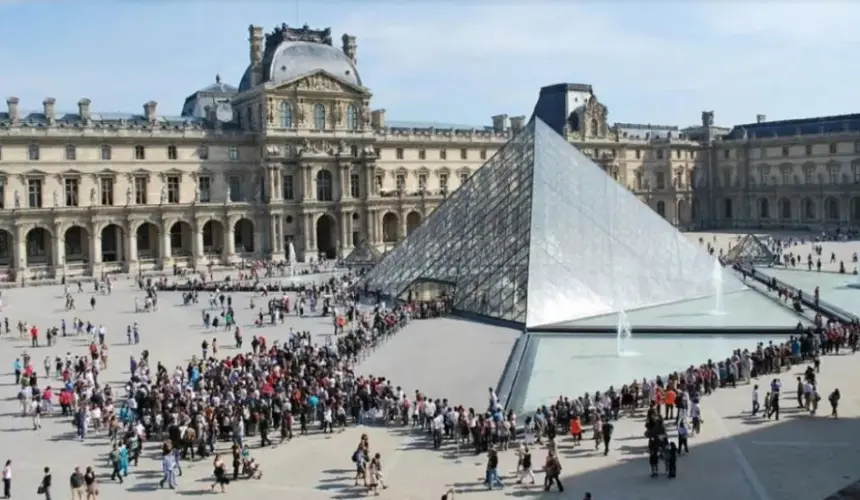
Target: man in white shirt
{"x":755,"y":403}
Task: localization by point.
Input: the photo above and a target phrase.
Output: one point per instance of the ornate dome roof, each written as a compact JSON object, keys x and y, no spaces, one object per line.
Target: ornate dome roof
{"x":292,"y":59}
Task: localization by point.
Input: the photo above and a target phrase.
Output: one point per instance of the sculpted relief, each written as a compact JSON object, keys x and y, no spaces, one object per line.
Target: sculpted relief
{"x":321,"y":82}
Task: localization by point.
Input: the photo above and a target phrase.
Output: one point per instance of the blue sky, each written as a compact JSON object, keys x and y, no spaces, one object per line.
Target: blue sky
{"x":460,"y":62}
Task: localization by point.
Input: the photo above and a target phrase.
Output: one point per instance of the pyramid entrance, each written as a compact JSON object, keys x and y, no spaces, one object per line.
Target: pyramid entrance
{"x":541,"y":235}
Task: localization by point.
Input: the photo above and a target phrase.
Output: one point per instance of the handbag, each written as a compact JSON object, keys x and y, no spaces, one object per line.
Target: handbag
{"x":40,"y":490}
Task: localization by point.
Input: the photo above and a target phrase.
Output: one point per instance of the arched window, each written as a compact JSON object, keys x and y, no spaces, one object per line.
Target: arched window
{"x":286,"y":115}
{"x":324,"y":186}
{"x":319,"y":117}
{"x":351,"y":117}
{"x":595,"y":129}
{"x":661,"y":209}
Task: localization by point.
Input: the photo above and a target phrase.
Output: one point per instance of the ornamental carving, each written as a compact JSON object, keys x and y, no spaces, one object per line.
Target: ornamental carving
{"x":321,"y":82}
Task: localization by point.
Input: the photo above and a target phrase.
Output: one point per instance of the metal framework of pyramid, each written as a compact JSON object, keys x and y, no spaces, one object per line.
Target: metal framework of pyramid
{"x":363,"y":255}
{"x":751,"y":250}
{"x":540,"y":235}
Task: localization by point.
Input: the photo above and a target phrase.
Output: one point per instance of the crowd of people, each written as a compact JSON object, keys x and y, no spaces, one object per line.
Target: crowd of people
{"x":279,"y":390}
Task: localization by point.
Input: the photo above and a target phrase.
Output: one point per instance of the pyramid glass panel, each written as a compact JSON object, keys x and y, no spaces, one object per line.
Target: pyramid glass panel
{"x":751,"y":250}
{"x":595,"y":248}
{"x":476,"y":240}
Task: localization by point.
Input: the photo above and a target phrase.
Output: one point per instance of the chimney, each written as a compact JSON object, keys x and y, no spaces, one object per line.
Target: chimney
{"x":518,"y":123}
{"x":50,"y":111}
{"x":500,"y":123}
{"x":349,"y":47}
{"x":84,"y":110}
{"x":12,"y":103}
{"x":377,"y":119}
{"x":149,"y":110}
{"x":255,"y":43}
{"x":212,"y":116}
{"x":760,"y":118}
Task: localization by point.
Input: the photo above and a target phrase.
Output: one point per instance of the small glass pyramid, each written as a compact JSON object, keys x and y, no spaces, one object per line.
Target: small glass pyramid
{"x":363,"y":255}
{"x":751,"y":250}
{"x":541,"y":235}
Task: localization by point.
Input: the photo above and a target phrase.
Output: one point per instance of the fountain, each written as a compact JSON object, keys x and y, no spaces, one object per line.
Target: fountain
{"x":291,"y":254}
{"x":624,"y":334}
{"x":717,"y":279}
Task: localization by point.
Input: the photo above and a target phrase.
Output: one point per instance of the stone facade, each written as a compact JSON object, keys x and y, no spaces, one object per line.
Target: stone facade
{"x":296,"y":155}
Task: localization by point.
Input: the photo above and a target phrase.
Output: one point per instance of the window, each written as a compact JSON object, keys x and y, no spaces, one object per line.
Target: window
{"x":637,"y":153}
{"x":401,"y":182}
{"x":2,"y":193}
{"x":833,"y":148}
{"x":203,"y":152}
{"x":172,"y":153}
{"x":464,"y":154}
{"x":422,"y":182}
{"x":727,"y":154}
{"x":355,"y":185}
{"x":319,"y":116}
{"x":235,"y":184}
{"x":233,"y":153}
{"x":107,"y":190}
{"x":71,"y":153}
{"x":762,"y":153}
{"x":71,"y":191}
{"x":287,"y":189}
{"x":443,"y":182}
{"x":377,"y":152}
{"x":483,"y":154}
{"x":140,"y":184}
{"x":204,"y":188}
{"x":785,"y":151}
{"x":857,"y":147}
{"x":659,"y":154}
{"x":325,"y":186}
{"x":443,"y":154}
{"x":378,"y":183}
{"x":33,"y":152}
{"x":106,"y":153}
{"x":139,"y":153}
{"x":286,"y":115}
{"x":353,"y":151}
{"x":351,"y":118}
{"x":834,"y":175}
{"x":463,"y":178}
{"x":678,"y":154}
{"x":786,"y":176}
{"x":422,"y":154}
{"x":34,"y":193}
{"x":399,"y":153}
{"x":661,"y":180}
{"x":808,"y":150}
{"x":173,"y":189}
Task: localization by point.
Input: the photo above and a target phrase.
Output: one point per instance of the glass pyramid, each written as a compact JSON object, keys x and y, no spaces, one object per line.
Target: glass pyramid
{"x":751,"y":250}
{"x":363,"y":255}
{"x":540,"y":235}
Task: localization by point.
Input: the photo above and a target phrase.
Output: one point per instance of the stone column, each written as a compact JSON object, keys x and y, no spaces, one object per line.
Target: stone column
{"x":312,"y":232}
{"x":230,"y":242}
{"x":59,"y":250}
{"x":347,"y":230}
{"x":372,"y":228}
{"x":20,"y":247}
{"x":308,"y":182}
{"x":95,"y":248}
{"x":131,"y":244}
{"x":198,"y":240}
{"x":368,"y":182}
{"x":306,"y":234}
{"x":401,"y":225}
{"x":165,"y":244}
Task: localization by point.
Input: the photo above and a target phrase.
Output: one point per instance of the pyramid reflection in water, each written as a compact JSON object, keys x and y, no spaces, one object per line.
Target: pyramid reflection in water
{"x":541,"y":235}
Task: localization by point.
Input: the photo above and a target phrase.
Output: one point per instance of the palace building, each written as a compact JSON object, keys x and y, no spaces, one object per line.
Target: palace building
{"x":297,"y":154}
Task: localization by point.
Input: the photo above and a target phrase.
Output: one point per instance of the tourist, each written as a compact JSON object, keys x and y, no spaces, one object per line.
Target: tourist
{"x":7,"y":479}
{"x":45,"y":485}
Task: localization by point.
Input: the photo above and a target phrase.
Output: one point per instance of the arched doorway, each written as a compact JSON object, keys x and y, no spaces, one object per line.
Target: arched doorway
{"x":728,"y":209}
{"x":243,"y":236}
{"x":661,"y":209}
{"x":112,"y":244}
{"x":764,"y":208}
{"x":6,"y":247}
{"x":831,"y":209}
{"x":326,"y":232}
{"x":856,"y":209}
{"x":694,"y":210}
{"x":681,"y":212}
{"x":76,"y":244}
{"x":389,"y":227}
{"x":39,"y":247}
{"x":785,"y":209}
{"x":413,"y":220}
{"x":181,"y":239}
{"x":213,"y":238}
{"x":809,"y":209}
{"x":147,"y":241}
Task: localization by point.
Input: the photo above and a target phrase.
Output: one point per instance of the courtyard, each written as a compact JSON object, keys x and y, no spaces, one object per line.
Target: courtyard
{"x":798,"y":457}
